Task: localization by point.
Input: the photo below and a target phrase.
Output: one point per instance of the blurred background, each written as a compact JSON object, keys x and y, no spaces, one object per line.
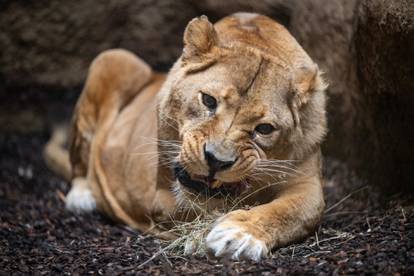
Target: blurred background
{"x":365,"y":47}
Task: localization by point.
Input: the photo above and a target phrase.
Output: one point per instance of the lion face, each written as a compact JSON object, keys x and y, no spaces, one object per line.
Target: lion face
{"x":235,"y":108}
{"x":229,"y":123}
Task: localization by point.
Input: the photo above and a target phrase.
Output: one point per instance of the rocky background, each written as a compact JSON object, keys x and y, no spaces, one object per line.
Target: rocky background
{"x":366,"y":48}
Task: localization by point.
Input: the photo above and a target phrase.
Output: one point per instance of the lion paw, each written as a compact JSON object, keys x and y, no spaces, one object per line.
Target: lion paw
{"x":230,"y":239}
{"x":80,"y":199}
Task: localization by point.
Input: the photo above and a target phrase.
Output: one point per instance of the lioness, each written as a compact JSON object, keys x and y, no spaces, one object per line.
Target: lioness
{"x":240,"y":116}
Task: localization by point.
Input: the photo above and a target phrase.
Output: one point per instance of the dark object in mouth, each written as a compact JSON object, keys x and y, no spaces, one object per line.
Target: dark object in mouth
{"x":201,"y":187}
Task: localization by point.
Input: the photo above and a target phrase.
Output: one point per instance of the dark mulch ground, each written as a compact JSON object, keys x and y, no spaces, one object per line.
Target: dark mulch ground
{"x":360,"y":234}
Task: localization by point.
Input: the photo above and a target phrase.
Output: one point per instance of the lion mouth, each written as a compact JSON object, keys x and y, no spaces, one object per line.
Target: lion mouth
{"x":207,"y":186}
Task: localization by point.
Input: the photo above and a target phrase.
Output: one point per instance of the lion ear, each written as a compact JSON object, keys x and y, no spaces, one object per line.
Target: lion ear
{"x":199,"y":37}
{"x":307,"y":81}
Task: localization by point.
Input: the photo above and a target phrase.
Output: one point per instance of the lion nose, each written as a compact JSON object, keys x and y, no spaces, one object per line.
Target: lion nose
{"x":216,"y":164}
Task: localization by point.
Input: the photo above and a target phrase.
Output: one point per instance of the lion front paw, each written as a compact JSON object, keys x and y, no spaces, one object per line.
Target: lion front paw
{"x":237,"y":239}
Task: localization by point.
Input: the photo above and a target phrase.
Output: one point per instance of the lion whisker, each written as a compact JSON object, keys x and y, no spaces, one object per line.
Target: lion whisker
{"x":165,"y":120}
{"x":256,"y":191}
{"x":273,"y":170}
{"x":272,"y":176}
{"x":278,"y":166}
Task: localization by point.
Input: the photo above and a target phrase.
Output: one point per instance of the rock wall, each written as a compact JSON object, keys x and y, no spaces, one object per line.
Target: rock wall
{"x":325,"y":29}
{"x":384,"y":125}
{"x":52,"y":42}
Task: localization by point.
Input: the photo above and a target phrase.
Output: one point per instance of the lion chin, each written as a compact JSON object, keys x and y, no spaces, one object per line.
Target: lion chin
{"x":241,"y":114}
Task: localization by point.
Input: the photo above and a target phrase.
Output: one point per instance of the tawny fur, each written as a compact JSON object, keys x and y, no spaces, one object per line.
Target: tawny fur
{"x":258,"y":73}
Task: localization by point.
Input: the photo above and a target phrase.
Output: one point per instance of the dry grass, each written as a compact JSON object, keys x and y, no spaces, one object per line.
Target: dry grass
{"x":190,"y":234}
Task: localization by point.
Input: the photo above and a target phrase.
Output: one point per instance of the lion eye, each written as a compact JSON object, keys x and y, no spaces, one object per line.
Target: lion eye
{"x":209,"y":101}
{"x":264,"y":129}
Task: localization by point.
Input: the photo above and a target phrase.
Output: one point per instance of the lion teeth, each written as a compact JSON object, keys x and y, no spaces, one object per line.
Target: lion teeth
{"x":216,"y":183}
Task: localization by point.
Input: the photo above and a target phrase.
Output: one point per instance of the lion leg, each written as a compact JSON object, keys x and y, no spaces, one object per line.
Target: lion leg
{"x":115,"y":77}
{"x":251,"y":234}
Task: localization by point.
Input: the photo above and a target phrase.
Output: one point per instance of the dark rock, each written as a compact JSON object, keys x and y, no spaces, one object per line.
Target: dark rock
{"x":384,"y":127}
{"x":50,"y":43}
{"x":366,"y":49}
{"x":325,"y":30}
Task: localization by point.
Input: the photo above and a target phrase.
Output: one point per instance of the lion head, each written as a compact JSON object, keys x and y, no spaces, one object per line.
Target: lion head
{"x":242,"y":95}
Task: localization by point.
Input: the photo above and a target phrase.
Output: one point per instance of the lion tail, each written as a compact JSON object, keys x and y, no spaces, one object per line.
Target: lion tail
{"x":56,"y":155}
